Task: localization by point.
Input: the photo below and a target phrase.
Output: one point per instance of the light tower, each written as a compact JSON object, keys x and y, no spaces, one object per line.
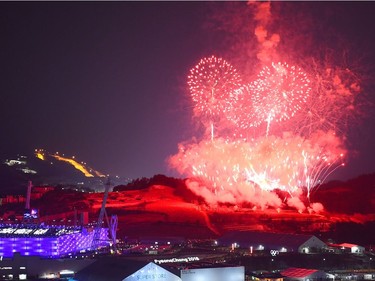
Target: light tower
{"x":28,"y":195}
{"x":111,"y":225}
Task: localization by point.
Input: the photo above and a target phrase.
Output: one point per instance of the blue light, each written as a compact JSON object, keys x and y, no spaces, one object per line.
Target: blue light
{"x":56,"y":241}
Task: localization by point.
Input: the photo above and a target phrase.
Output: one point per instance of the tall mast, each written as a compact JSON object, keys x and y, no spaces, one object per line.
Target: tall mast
{"x":96,"y":239}
{"x":28,"y":195}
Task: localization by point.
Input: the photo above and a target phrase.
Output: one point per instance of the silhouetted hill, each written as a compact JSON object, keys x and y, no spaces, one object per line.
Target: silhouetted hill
{"x":165,"y":207}
{"x":353,"y":196}
{"x":178,"y":185}
{"x":15,"y":172}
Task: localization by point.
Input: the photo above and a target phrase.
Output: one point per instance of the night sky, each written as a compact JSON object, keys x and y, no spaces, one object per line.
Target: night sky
{"x":106,"y":82}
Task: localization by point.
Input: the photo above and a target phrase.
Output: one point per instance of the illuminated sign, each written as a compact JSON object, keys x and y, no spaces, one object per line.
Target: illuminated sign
{"x":23,"y":231}
{"x":66,"y":272}
{"x":32,"y":214}
{"x":6,"y":230}
{"x":274,"y":253}
{"x":173,"y":260}
{"x":40,"y":231}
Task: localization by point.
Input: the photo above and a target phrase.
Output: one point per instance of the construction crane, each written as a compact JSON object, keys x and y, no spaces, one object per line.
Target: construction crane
{"x":112,"y":225}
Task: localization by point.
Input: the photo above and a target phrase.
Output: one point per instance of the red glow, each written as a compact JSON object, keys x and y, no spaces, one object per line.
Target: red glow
{"x":235,"y":169}
{"x":285,"y":130}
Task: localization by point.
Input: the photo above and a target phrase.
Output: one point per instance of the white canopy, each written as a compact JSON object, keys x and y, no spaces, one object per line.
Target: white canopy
{"x":152,"y":272}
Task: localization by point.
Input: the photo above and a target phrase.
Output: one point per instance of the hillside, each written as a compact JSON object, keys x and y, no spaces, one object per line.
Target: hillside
{"x":353,"y":196}
{"x":156,"y":209}
{"x":164,"y":206}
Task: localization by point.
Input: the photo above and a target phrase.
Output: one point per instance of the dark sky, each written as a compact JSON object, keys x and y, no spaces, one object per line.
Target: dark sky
{"x":106,"y":82}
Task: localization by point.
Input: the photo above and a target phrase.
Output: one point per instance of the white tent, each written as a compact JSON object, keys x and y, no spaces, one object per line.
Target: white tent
{"x":354,"y":249}
{"x":152,"y":272}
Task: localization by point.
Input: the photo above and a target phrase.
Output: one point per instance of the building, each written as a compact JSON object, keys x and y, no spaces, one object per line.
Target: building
{"x":303,"y":274}
{"x":125,"y":268}
{"x":47,"y":241}
{"x":348,"y":248}
{"x":152,"y":272}
{"x":273,"y":243}
{"x":218,"y":274}
{"x":139,"y":269}
{"x":31,"y":267}
{"x":266,"y":276}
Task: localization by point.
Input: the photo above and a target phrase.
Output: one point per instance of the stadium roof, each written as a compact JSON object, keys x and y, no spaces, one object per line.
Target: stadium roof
{"x":25,"y":230}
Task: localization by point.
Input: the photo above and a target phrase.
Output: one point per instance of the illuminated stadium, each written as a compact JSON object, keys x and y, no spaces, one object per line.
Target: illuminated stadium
{"x":49,"y":241}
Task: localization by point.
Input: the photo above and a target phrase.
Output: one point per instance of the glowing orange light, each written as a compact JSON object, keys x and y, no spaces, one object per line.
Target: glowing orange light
{"x":40,"y":156}
{"x":75,"y":164}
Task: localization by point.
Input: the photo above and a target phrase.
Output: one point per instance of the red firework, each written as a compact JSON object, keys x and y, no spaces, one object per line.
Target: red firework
{"x":333,"y":105}
{"x":211,"y":84}
{"x":279,"y":92}
{"x":242,"y":112}
{"x":241,"y":161}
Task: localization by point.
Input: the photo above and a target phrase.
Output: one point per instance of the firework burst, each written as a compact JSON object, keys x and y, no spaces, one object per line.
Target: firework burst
{"x":279,"y":92}
{"x":211,"y":83}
